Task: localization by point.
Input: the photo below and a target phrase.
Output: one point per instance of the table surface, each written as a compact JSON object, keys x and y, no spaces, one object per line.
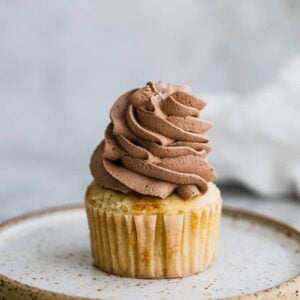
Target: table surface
{"x":281,"y":208}
{"x":284,"y":209}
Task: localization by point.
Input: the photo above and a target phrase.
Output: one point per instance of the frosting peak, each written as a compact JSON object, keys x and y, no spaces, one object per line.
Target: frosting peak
{"x":155,"y":144}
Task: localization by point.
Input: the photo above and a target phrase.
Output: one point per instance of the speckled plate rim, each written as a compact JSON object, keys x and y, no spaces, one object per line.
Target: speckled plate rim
{"x":289,"y":289}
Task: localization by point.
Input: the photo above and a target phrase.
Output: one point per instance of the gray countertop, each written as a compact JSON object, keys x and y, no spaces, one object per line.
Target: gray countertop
{"x":31,"y":183}
{"x":284,"y":209}
{"x":24,"y":199}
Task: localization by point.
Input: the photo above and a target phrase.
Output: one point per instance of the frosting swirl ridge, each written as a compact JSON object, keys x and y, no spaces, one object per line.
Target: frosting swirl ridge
{"x":155,"y":144}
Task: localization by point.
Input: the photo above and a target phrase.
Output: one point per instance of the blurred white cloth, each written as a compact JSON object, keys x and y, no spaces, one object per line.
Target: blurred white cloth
{"x":256,"y":139}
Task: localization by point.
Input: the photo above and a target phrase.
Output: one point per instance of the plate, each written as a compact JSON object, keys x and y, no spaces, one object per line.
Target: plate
{"x":46,"y":255}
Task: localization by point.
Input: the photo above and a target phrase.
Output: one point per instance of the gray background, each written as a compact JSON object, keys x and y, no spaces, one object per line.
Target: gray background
{"x":63,"y":63}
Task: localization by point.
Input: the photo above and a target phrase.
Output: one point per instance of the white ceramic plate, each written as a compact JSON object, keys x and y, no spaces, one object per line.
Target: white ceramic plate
{"x":46,"y":255}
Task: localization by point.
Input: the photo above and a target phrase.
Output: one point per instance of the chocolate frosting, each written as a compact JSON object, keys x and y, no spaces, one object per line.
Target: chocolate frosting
{"x":155,"y":144}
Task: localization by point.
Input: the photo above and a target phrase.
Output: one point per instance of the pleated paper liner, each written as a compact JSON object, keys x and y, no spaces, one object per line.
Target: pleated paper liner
{"x":154,"y":246}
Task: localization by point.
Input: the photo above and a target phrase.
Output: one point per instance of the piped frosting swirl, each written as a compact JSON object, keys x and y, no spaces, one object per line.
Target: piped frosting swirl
{"x":155,"y":144}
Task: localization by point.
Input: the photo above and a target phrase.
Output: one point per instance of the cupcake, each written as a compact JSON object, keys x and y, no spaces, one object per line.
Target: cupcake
{"x":153,"y":209}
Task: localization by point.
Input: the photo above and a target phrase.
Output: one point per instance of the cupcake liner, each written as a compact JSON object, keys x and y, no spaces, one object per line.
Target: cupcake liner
{"x":154,"y":246}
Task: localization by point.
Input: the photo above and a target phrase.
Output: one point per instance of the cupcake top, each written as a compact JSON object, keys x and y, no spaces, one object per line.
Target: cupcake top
{"x":155,"y":144}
